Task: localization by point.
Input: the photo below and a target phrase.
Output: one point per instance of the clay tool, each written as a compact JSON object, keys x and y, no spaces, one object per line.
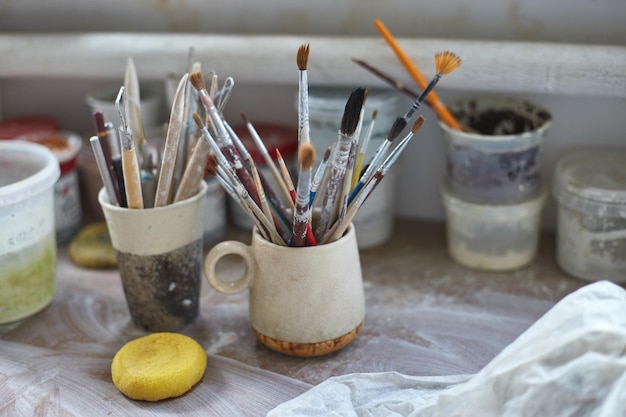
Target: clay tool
{"x":103,"y":144}
{"x":269,"y":162}
{"x":194,"y":171}
{"x":130,"y":166}
{"x":436,"y":103}
{"x":340,"y":226}
{"x":187,"y":136}
{"x":98,"y":153}
{"x":319,"y":174}
{"x":116,"y":160}
{"x":224,"y":94}
{"x":148,"y":181}
{"x":339,"y":159}
{"x":302,"y":212}
{"x":166,"y":173}
{"x":133,"y":107}
{"x":223,"y":138}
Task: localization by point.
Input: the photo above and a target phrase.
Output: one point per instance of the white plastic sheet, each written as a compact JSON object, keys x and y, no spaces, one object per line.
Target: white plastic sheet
{"x":571,"y":362}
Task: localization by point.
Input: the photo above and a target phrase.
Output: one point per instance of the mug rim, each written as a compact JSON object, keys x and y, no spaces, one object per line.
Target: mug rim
{"x":256,"y":235}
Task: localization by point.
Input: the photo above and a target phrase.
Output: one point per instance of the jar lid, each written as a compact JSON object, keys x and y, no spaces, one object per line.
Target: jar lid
{"x":591,"y":179}
{"x":22,"y":125}
{"x":334,"y":99}
{"x":65,"y":145}
{"x":283,"y":138}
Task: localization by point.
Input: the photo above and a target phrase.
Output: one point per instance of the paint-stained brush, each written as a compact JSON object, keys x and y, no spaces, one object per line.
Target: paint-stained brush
{"x":339,"y":159}
{"x":301,"y":216}
{"x":435,"y":102}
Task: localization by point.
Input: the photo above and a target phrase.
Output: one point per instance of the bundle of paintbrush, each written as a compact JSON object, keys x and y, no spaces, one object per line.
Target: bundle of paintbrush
{"x":321,"y":205}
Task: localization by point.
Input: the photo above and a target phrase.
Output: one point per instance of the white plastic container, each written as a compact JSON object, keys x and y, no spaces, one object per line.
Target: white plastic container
{"x":67,"y":204}
{"x":492,"y":237}
{"x":499,"y":163}
{"x":590,"y":187}
{"x":28,"y":249}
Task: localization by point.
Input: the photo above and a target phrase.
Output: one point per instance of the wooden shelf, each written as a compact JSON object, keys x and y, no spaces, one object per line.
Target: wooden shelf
{"x":506,"y":67}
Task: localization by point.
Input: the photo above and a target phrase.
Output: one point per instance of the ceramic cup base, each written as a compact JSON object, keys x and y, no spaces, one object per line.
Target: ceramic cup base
{"x":306,"y":350}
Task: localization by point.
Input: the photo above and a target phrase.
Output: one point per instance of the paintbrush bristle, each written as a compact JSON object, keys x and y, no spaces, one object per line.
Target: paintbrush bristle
{"x":446,"y":62}
{"x":197,"y":80}
{"x":306,"y":156}
{"x":244,"y":117}
{"x":352,"y":112}
{"x":374,"y":114}
{"x":396,"y":128}
{"x":303,"y":57}
{"x":326,"y":154}
{"x":419,"y":122}
{"x":198,"y":120}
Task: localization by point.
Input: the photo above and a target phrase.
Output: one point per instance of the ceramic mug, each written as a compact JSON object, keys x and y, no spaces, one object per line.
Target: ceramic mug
{"x":305,"y":301}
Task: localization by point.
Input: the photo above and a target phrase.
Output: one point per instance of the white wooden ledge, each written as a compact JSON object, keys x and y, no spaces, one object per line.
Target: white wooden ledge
{"x":589,"y":70}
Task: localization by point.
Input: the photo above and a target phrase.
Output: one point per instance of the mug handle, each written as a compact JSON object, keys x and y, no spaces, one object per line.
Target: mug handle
{"x":229,"y":247}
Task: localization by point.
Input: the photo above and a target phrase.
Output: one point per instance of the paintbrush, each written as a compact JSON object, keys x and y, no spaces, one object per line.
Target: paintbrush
{"x":343,"y":202}
{"x":445,"y":63}
{"x":231,"y":176}
{"x":340,"y":227}
{"x":388,"y":79}
{"x":363,"y":150}
{"x":395,"y":130}
{"x":302,"y":211}
{"x":101,"y":162}
{"x":302,"y":59}
{"x":339,"y":159}
{"x":223,"y":138}
{"x":103,"y":144}
{"x":264,"y":204}
{"x":116,"y":161}
{"x":271,"y":194}
{"x":319,"y":174}
{"x":133,"y":107}
{"x":437,"y":105}
{"x":170,"y":149}
{"x":130,"y":166}
{"x":269,"y":162}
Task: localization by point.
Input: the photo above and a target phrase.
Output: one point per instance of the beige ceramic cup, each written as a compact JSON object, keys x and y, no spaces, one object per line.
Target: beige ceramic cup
{"x":159,"y":253}
{"x":305,"y":301}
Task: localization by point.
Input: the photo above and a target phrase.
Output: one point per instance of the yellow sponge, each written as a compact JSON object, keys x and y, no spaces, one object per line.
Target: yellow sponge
{"x":158,"y":366}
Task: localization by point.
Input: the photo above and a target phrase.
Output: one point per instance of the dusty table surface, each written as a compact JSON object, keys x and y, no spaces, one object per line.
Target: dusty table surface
{"x":425,"y":315}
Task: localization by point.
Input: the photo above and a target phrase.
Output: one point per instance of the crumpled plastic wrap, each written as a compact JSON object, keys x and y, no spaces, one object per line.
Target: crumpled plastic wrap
{"x":570,"y":362}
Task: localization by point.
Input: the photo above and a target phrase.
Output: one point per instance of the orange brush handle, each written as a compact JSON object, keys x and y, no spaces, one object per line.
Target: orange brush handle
{"x":436,"y":103}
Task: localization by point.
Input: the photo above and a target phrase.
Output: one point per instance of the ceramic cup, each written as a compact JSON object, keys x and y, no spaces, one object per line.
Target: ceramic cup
{"x":159,"y":253}
{"x":306,"y":301}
